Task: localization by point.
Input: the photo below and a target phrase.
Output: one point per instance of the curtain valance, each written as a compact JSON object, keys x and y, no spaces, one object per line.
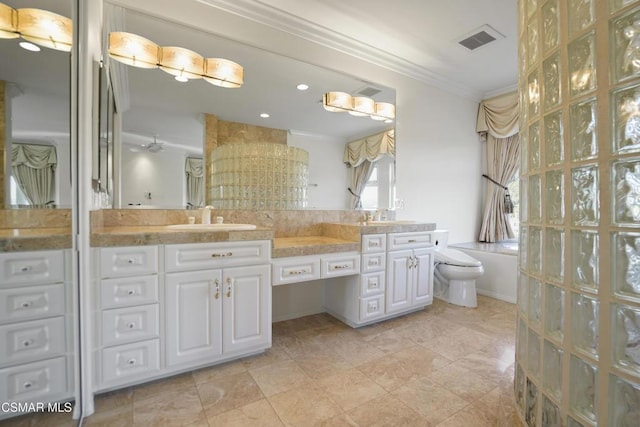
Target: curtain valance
{"x":33,"y":156}
{"x":499,"y":116}
{"x":194,"y":167}
{"x":370,"y":148}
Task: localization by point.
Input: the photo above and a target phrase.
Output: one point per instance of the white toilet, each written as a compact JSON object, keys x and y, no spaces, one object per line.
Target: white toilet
{"x":455,"y":273}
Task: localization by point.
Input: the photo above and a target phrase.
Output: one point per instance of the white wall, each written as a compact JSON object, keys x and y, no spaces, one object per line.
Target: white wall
{"x":161,"y":174}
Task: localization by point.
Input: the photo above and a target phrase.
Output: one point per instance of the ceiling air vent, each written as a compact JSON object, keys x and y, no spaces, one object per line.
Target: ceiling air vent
{"x":368,"y":91}
{"x":480,"y":37}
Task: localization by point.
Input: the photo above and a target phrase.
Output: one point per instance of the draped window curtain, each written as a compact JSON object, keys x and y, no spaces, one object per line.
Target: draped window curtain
{"x":34,"y":170}
{"x":498,"y":125}
{"x":359,"y":155}
{"x":194,"y":169}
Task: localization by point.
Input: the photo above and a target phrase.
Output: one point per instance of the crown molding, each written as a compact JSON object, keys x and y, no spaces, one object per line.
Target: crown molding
{"x":282,"y":20}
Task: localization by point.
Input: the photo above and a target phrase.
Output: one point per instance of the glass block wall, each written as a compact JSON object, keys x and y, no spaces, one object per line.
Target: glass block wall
{"x":578,"y":331}
{"x":256,"y":175}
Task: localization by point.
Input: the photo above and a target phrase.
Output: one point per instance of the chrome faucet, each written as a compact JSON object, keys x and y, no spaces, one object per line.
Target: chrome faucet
{"x":377,"y":216}
{"x":206,"y":214}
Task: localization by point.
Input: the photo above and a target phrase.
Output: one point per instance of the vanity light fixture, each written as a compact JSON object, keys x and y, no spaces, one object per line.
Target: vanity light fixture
{"x":360,"y":106}
{"x":183,"y":64}
{"x":134,"y":50}
{"x":222,"y":72}
{"x":38,"y":26}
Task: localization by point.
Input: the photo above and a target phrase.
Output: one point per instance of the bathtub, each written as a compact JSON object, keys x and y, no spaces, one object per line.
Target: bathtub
{"x":500,"y":262}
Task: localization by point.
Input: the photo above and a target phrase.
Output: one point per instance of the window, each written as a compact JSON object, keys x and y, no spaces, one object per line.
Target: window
{"x":16,"y":196}
{"x":380,"y":190}
{"x":514,"y":192}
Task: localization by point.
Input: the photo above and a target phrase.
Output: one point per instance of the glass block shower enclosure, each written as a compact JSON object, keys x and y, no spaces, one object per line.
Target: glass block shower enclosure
{"x":578,"y":331}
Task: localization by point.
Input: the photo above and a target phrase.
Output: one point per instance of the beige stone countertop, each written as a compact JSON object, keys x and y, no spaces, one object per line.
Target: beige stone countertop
{"x":162,"y":235}
{"x":34,"y":239}
{"x":391,"y":227}
{"x":311,"y":245}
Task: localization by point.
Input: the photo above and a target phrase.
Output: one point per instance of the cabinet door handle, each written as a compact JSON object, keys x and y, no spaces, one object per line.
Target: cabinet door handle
{"x":27,"y":385}
{"x":373,"y":262}
{"x":412,"y":240}
{"x":25,"y":269}
{"x":27,"y":343}
{"x":131,"y":261}
{"x":296,"y":272}
{"x":26,"y":304}
{"x":217,"y":295}
{"x":228,"y":287}
{"x":223,"y":255}
{"x":340,"y":267}
{"x":131,"y":362}
{"x":131,"y":292}
{"x":131,"y":325}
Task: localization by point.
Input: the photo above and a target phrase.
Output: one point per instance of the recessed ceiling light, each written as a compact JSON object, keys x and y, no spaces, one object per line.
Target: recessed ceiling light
{"x":302,"y":86}
{"x":29,"y":46}
{"x":264,"y":115}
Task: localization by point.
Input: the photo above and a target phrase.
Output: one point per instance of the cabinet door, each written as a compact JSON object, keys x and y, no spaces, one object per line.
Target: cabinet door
{"x":399,"y":281}
{"x":193,"y":316}
{"x":246,"y":308}
{"x":423,"y":276}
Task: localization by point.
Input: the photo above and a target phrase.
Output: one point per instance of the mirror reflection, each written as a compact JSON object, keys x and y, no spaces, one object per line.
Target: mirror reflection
{"x":167,"y":125}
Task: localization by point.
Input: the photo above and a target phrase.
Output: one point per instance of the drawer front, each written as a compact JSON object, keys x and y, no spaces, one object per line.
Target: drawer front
{"x":374,"y":243}
{"x":295,"y":269}
{"x":31,"y":302}
{"x":340,"y":265}
{"x":398,"y":241}
{"x":23,"y":268}
{"x":373,"y":262}
{"x":128,"y":291}
{"x":38,"y":339}
{"x":128,"y":261}
{"x":214,"y":255}
{"x":131,"y":361}
{"x":34,"y":382}
{"x":371,"y":308}
{"x":121,"y":325}
{"x":372,"y":284}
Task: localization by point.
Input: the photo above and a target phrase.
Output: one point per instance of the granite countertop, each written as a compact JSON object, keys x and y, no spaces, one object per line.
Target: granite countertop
{"x":34,"y":239}
{"x":391,"y":227}
{"x":311,"y":245}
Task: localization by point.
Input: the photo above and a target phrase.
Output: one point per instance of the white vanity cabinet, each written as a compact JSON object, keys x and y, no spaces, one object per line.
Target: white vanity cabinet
{"x":218,"y":299}
{"x":35,"y":326}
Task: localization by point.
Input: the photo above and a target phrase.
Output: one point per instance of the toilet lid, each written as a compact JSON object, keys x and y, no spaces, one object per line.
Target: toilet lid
{"x":456,"y":257}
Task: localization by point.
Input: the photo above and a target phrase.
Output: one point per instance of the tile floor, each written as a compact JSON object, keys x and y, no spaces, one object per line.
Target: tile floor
{"x":443,"y":366}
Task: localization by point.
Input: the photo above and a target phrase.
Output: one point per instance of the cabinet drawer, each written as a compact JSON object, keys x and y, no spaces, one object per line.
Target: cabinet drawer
{"x":295,"y":269}
{"x":372,"y":284}
{"x":23,"y":268}
{"x":31,"y":302}
{"x":371,"y":307}
{"x":128,"y":261}
{"x":34,"y":382}
{"x":374,"y":243}
{"x":38,"y":339}
{"x":398,"y":241}
{"x":129,"y":324}
{"x":373,"y":262}
{"x":130,"y":361}
{"x":128,"y":291}
{"x":214,"y":255}
{"x":339,"y":265}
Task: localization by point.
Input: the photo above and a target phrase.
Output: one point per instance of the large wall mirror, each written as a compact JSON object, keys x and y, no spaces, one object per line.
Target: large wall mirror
{"x":36,"y":105}
{"x":164,"y":122}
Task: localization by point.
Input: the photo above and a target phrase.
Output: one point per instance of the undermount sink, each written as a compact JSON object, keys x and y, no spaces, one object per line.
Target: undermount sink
{"x":213,"y":227}
{"x":390,"y":222}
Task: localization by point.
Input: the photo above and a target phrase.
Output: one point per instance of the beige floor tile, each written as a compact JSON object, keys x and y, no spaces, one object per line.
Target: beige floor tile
{"x":390,"y":341}
{"x":279,"y":377}
{"x":321,"y":365}
{"x":156,"y":389}
{"x":119,"y":399}
{"x":421,"y":360}
{"x":256,"y":414}
{"x":487,"y":366}
{"x":45,"y":419}
{"x":213,"y":372}
{"x":113,"y":417}
{"x":430,"y":400}
{"x":351,"y":388}
{"x":229,"y":392}
{"x":463,"y":382}
{"x":355,"y":352}
{"x":472,"y":415}
{"x":389,"y":372}
{"x":386,"y":411}
{"x":275,"y":354}
{"x":175,"y":407}
{"x":459,"y":343}
{"x":304,"y":406}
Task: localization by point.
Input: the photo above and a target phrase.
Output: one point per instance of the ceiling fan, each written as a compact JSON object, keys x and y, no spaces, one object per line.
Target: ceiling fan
{"x":155,"y":146}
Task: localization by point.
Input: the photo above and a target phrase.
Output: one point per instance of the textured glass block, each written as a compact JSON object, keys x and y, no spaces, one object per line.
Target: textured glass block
{"x":625,"y":106}
{"x":554,"y":254}
{"x":522,"y":62}
{"x":624,"y":406}
{"x":533,"y":354}
{"x":554,"y":312}
{"x":534,"y":301}
{"x":580,"y":14}
{"x":619,"y":4}
{"x":534,"y":146}
{"x":550,"y":413}
{"x":551,"y":82}
{"x":531,"y":414}
{"x":584,"y":323}
{"x":521,"y":346}
{"x":582,"y":130}
{"x":554,"y":197}
{"x":524,"y":148}
{"x":522,"y":294}
{"x":582,"y":388}
{"x":550,"y":25}
{"x":573,"y":423}
{"x":625,"y":338}
{"x":585,"y":200}
{"x":535,"y":200}
{"x":519,"y":386}
{"x":625,"y":181}
{"x":532,"y":5}
{"x":625,"y":46}
{"x":535,"y":250}
{"x":582,"y":70}
{"x":522,"y":248}
{"x":533,"y":91}
{"x":554,"y":144}
{"x":584,"y":260}
{"x":532,"y":41}
{"x":552,"y":367}
{"x":524,"y":199}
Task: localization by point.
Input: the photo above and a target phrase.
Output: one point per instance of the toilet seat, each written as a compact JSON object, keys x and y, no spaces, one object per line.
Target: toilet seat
{"x":455,"y":257}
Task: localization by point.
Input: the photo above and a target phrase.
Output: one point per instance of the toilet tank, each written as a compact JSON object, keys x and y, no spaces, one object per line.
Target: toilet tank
{"x":441,"y":239}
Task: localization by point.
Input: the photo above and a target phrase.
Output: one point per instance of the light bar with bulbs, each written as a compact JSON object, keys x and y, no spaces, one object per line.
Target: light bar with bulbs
{"x":360,"y":106}
{"x":37,"y":26}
